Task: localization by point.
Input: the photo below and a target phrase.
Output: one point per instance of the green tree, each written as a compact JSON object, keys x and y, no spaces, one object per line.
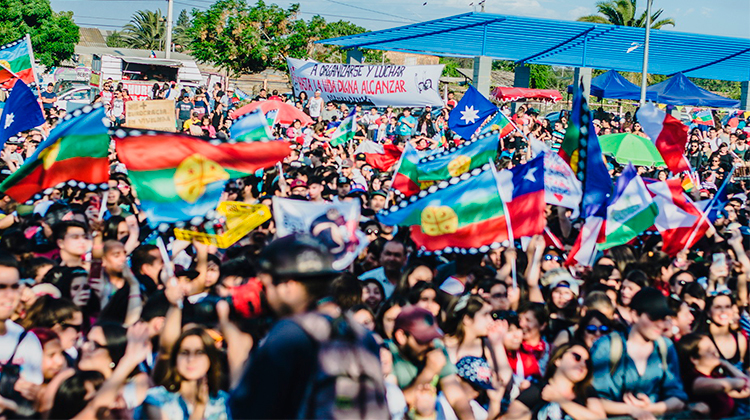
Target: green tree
{"x":116,"y":40}
{"x":180,"y":37}
{"x":623,"y":13}
{"x":242,"y":38}
{"x":146,"y":30}
{"x":53,"y":35}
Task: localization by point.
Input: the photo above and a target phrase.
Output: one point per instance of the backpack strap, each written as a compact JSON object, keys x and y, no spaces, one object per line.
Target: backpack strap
{"x":615,"y":351}
{"x":661,"y":345}
{"x":18,"y":344}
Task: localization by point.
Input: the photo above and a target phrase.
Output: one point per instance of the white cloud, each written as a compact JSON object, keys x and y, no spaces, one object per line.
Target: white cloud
{"x":706,"y":11}
{"x":579,"y":11}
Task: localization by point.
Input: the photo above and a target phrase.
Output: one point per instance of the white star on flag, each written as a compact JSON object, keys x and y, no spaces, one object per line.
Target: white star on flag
{"x":8,"y":120}
{"x":469,"y":113}
{"x":530,"y":175}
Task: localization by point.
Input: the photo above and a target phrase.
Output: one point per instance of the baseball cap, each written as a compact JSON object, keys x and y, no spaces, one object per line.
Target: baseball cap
{"x":380,"y":193}
{"x":297,"y":256}
{"x":419,"y":323}
{"x":360,"y":156}
{"x":343,"y":180}
{"x":298,"y":183}
{"x":475,"y":371}
{"x":347,"y":163}
{"x":651,"y":302}
{"x":560,"y":277}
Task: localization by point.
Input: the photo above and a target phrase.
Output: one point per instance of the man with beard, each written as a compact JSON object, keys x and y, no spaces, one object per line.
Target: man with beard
{"x":419,"y":356}
{"x":296,"y":273}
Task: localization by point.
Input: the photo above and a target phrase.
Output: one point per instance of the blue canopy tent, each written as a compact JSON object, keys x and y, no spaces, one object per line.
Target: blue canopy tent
{"x":679,"y":90}
{"x":612,"y":85}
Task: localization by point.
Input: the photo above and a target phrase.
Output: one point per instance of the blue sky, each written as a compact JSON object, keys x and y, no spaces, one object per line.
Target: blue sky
{"x":720,"y":17}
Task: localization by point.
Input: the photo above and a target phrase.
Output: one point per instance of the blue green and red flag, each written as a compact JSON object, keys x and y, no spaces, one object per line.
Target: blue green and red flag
{"x":178,"y":177}
{"x":76,"y":150}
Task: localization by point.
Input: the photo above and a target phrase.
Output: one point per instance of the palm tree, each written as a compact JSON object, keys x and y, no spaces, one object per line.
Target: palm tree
{"x":622,"y":12}
{"x":146,"y":30}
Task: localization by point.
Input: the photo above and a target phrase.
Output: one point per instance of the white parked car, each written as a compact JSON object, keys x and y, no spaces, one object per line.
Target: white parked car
{"x":77,"y":97}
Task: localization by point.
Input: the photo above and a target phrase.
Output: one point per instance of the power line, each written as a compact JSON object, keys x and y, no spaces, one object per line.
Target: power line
{"x":370,"y":10}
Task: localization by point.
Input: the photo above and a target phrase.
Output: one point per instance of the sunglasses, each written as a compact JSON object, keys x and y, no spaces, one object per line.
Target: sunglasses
{"x":14,"y":286}
{"x":552,"y":258}
{"x":576,"y":356}
{"x":499,"y":295}
{"x":592,"y":329}
{"x":725,"y":292}
{"x":372,"y":231}
{"x":84,"y":286}
{"x":77,"y":327}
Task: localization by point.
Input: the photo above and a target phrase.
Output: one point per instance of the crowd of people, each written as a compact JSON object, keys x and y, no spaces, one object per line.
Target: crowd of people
{"x":98,"y":322}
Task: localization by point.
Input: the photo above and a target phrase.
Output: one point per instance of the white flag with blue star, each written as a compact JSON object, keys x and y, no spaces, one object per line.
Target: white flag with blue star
{"x":469,"y":113}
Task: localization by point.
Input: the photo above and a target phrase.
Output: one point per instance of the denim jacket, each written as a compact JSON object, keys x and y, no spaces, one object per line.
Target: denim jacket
{"x":658,"y":382}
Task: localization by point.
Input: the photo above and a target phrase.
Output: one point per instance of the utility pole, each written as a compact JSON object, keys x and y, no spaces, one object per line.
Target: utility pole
{"x":168,"y":44}
{"x":644,"y":72}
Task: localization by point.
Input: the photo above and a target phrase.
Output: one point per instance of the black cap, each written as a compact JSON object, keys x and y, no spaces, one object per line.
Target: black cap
{"x":360,"y":156}
{"x":299,"y":257}
{"x":343,"y":180}
{"x":652,"y":302}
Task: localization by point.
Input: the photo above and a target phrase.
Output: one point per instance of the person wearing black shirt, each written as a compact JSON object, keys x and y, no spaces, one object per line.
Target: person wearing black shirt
{"x":565,"y":393}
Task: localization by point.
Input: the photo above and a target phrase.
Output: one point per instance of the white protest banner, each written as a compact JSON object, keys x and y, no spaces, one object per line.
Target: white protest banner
{"x":334,"y":224}
{"x":373,"y":84}
{"x":150,"y":115}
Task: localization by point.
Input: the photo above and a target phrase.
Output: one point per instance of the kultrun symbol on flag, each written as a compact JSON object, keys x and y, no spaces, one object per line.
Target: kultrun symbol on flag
{"x":194,"y":173}
{"x":439,"y":220}
{"x":459,"y":165}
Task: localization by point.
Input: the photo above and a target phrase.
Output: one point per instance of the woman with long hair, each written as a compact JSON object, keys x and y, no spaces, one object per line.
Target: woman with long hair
{"x":708,"y":378}
{"x":192,"y":388}
{"x":565,"y":392}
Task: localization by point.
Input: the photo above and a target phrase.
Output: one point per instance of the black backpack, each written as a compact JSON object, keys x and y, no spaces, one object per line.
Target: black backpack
{"x":348,"y":380}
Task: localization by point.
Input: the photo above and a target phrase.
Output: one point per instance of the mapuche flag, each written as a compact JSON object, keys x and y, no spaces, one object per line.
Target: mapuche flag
{"x":178,"y":177}
{"x":468,"y":212}
{"x":76,"y":150}
{"x":470,"y":154}
{"x":580,"y":149}
{"x":17,"y":57}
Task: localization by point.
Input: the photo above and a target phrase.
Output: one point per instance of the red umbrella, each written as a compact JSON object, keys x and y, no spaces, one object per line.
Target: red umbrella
{"x":287,"y":113}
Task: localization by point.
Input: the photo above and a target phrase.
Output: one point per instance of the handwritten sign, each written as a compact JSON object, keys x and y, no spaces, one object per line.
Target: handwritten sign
{"x":151,"y":115}
{"x":373,"y":84}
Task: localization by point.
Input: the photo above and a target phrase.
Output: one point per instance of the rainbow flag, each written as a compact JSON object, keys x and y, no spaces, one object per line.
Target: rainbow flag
{"x":178,"y":177}
{"x":76,"y":150}
{"x":18,"y":57}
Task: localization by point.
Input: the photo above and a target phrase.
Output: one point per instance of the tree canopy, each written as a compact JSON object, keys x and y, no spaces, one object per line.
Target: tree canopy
{"x":623,"y":13}
{"x":53,"y":35}
{"x":244,"y":38}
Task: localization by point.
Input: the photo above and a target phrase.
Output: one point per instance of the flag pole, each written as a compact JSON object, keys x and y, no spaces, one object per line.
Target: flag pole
{"x":509,"y":227}
{"x":704,"y":216}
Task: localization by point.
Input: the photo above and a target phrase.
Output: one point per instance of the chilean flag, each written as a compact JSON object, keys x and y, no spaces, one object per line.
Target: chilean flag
{"x":668,"y":134}
{"x":679,"y":221}
{"x":522,"y":192}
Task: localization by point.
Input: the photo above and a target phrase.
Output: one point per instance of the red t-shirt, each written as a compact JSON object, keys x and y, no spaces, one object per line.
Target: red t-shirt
{"x":721,"y":405}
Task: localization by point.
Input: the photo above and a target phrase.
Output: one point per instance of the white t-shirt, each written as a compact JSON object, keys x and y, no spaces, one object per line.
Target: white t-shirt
{"x":28,"y":355}
{"x":315,"y":105}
